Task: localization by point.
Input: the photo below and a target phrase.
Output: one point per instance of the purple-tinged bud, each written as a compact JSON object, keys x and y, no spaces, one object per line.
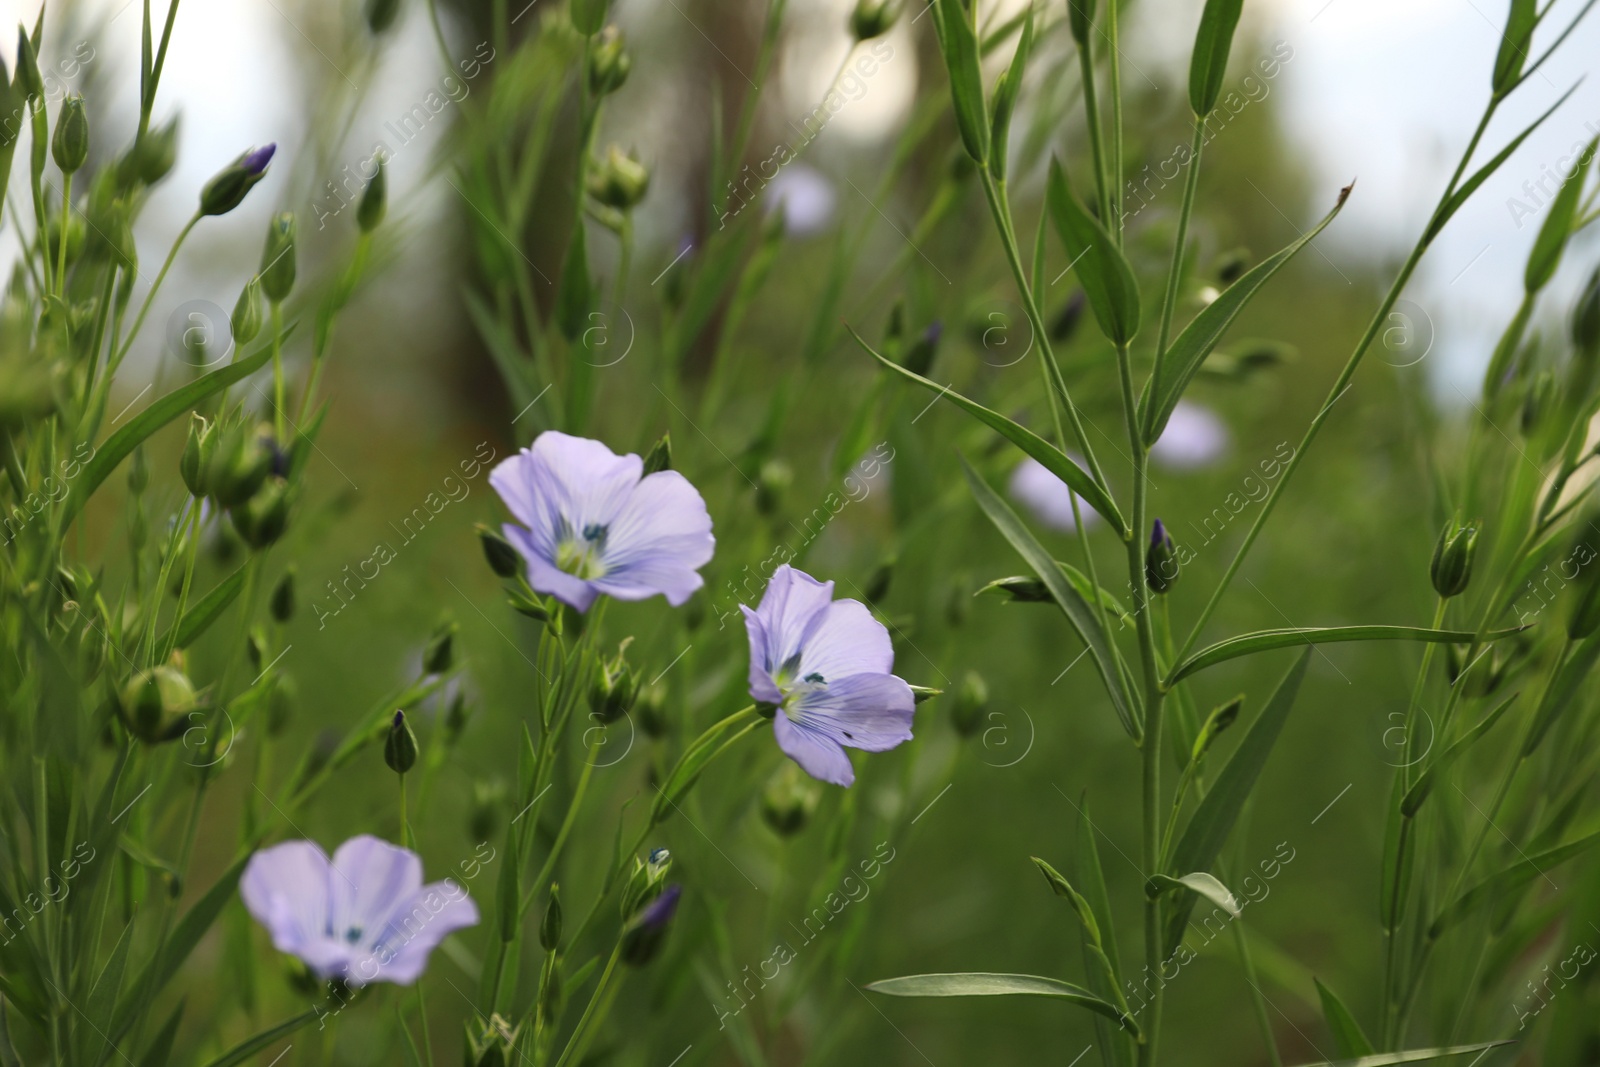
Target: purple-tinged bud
{"x":1161,"y":562}
{"x":228,"y":189}
{"x":400,"y":745}
{"x":920,"y":356}
{"x":643,"y":937}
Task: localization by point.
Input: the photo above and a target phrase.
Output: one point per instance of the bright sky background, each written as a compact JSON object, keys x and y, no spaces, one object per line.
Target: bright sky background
{"x":1383,"y":90}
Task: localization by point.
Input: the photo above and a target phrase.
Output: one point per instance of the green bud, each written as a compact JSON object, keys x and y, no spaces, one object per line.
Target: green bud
{"x":375,"y":199}
{"x":872,"y":18}
{"x":245,"y":322}
{"x":1221,"y":717}
{"x":280,"y":704}
{"x":1451,"y":568}
{"x":278,"y":258}
{"x":232,"y":183}
{"x":1230,"y":265}
{"x":645,"y":883}
{"x":620,"y":181}
{"x":492,"y":1042}
{"x":155,"y":704}
{"x":651,"y":708}
{"x":972,"y":699}
{"x":1161,"y":562}
{"x":239,"y":466}
{"x":1022,"y":589}
{"x":920,"y":356}
{"x":262,"y":519}
{"x":138,"y":472}
{"x":455,"y":721}
{"x":644,"y":936}
{"x":504,"y":560}
{"x":483,"y":817}
{"x":440,"y":655}
{"x":789,"y":799}
{"x":1080,"y":18}
{"x":155,"y":153}
{"x":28,"y":80}
{"x":283,"y":596}
{"x":772,"y":482}
{"x":400,"y":745}
{"x":609,"y":62}
{"x":381,"y":14}
{"x":70,"y":146}
{"x":615,"y":687}
{"x":659,"y":458}
{"x":550,"y":926}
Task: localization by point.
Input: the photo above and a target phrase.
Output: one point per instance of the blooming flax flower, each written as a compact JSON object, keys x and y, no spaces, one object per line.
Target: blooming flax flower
{"x":1048,"y":497}
{"x":363,"y":917}
{"x":1195,"y":437}
{"x":825,"y":665}
{"x":590,"y":524}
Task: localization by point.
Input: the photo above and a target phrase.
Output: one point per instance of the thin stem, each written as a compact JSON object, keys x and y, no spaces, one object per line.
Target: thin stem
{"x":580,"y":1038}
{"x":1180,"y":242}
{"x":144,"y":309}
{"x":61,"y":241}
{"x":278,"y":414}
{"x":1115,"y":61}
{"x":1092,"y":120}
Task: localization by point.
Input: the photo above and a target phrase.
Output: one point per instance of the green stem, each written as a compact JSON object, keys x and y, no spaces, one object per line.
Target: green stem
{"x":1092,"y":119}
{"x":1115,"y":61}
{"x":1180,"y":243}
{"x":278,"y":414}
{"x":61,"y":241}
{"x":579,"y":1041}
{"x":144,"y":309}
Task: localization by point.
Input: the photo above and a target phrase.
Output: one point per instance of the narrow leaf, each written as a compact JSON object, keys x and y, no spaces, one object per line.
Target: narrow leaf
{"x":1418,"y":1055}
{"x":1049,"y":456}
{"x":1107,"y":278}
{"x":1513,"y":877}
{"x":1181,"y":361}
{"x":252,"y":1045}
{"x":1557,"y":227}
{"x":1561,"y":691}
{"x":1101,"y":960}
{"x":160,"y":1050}
{"x":1348,"y":1036}
{"x":1266,"y":640}
{"x":1212,"y":821}
{"x":1209,"y":63}
{"x":1424,"y":784}
{"x":959,"y":44}
{"x":1006,"y":91}
{"x":1073,"y":606}
{"x":979,"y":984}
{"x":205,"y":611}
{"x":1198,"y":882}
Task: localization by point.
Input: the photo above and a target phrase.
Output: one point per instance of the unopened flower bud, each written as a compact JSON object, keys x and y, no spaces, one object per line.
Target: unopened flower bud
{"x":245,"y":322}
{"x":1161,"y":563}
{"x":232,"y":183}
{"x":483,"y":817}
{"x":659,"y":458}
{"x":645,"y":883}
{"x":550,"y":926}
{"x":643,"y":938}
{"x":440,"y":655}
{"x":504,"y":560}
{"x":614,"y":689}
{"x":789,"y":799}
{"x":772,"y":482}
{"x":1451,"y":568}
{"x":1221,"y":717}
{"x":972,"y":699}
{"x":238,"y":467}
{"x":619,"y":181}
{"x":155,"y":704}
{"x":651,"y":707}
{"x":381,"y":14}
{"x":263,"y":518}
{"x":920,"y":356}
{"x":155,"y":153}
{"x":375,"y":198}
{"x":456,"y":716}
{"x":609,"y":62}
{"x":1067,"y":319}
{"x":278,"y":258}
{"x":872,"y":18}
{"x":70,"y":146}
{"x":400,"y":745}
{"x":283,"y":596}
{"x":1231,"y":264}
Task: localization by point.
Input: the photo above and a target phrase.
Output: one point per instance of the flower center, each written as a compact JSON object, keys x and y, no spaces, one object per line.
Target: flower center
{"x":580,"y":555}
{"x":795,"y":689}
{"x":353,"y":935}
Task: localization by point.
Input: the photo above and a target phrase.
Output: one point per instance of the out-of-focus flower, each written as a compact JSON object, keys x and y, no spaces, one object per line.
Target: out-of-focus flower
{"x":1194,"y":438}
{"x":824,"y":665}
{"x":364,"y":916}
{"x":1048,"y":497}
{"x":592,"y":522}
{"x":806,"y":198}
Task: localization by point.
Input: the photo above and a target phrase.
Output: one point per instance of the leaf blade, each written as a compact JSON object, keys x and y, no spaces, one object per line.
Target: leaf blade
{"x":986,"y":984}
{"x":1289,"y":637}
{"x":1103,"y":270}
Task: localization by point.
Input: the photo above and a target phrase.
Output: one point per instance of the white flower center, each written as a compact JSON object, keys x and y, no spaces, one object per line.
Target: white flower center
{"x":581,"y":554}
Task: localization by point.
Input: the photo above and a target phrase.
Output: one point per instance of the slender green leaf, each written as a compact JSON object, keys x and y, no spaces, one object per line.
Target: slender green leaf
{"x":1418,"y":1055}
{"x":102,"y":1005}
{"x":1107,"y":278}
{"x":205,"y":611}
{"x":1557,"y":227}
{"x":959,"y":44}
{"x":1049,"y":456}
{"x":252,"y":1045}
{"x":1481,"y":175}
{"x":979,"y":984}
{"x":1182,"y":359}
{"x":1513,"y":877}
{"x":1101,"y":959}
{"x":1424,"y":784}
{"x":1209,"y":63}
{"x":1006,"y":91}
{"x":1266,"y":640}
{"x":1072,"y":604}
{"x":1561,"y":691}
{"x":1198,"y":882}
{"x":160,"y":1050}
{"x":1348,"y":1036}
{"x":119,"y":445}
{"x":1514,"y":42}
{"x":1212,"y":821}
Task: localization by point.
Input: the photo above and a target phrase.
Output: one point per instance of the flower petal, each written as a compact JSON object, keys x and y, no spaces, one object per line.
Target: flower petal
{"x":414,"y":930}
{"x":871,"y":712}
{"x":844,"y":639}
{"x":370,"y":878}
{"x":818,"y":754}
{"x":1048,"y":497}
{"x":657,"y":540}
{"x":544,"y":576}
{"x":762,"y":687}
{"x":286,"y":888}
{"x":793,"y":598}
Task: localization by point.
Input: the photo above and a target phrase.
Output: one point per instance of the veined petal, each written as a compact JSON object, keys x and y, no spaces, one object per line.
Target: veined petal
{"x":818,"y":754}
{"x":544,"y":576}
{"x":286,"y":889}
{"x":844,"y":639}
{"x":871,"y":712}
{"x":762,"y":687}
{"x":370,"y":877}
{"x":792,"y":599}
{"x":413,"y":930}
{"x":657,"y":541}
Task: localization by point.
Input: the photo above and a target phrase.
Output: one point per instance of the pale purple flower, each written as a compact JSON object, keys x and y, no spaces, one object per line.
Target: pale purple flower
{"x":363,"y":917}
{"x":1048,"y":497}
{"x":590,"y":524}
{"x":825,"y":665}
{"x":1194,"y":437}
{"x":805,"y":198}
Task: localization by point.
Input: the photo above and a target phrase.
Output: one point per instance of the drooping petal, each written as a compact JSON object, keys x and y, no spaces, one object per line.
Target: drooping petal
{"x":286,"y":888}
{"x":844,"y":639}
{"x":762,"y":687}
{"x":657,"y":541}
{"x":792,"y":599}
{"x":370,"y":878}
{"x":872,"y":712}
{"x":818,"y":754}
{"x":414,"y":928}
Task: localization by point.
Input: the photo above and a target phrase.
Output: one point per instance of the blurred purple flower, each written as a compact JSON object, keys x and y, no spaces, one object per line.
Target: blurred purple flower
{"x":591,"y":524}
{"x":364,"y":917}
{"x":255,"y":161}
{"x":1048,"y":496}
{"x":805,"y":197}
{"x":825,"y":664}
{"x":1195,"y":437}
